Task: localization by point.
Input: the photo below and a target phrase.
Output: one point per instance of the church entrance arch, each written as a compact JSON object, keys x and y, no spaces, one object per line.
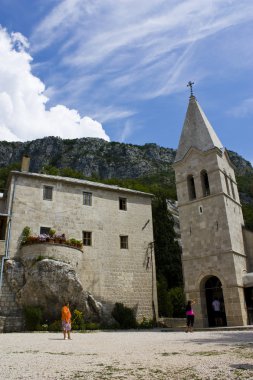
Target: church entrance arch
{"x":213,"y":291}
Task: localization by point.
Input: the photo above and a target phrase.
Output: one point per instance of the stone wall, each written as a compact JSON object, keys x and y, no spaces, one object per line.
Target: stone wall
{"x":211,"y":232}
{"x":110,"y":273}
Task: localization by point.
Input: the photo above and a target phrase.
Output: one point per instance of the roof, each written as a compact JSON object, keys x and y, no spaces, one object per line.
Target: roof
{"x":76,"y":181}
{"x":197,"y":131}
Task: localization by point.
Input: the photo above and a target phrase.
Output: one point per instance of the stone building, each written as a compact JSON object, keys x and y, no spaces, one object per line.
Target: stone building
{"x":217,"y":250}
{"x":114,"y":224}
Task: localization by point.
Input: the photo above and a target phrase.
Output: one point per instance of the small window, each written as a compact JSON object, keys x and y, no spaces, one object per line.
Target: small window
{"x":44,"y":230}
{"x":227,"y":184}
{"x":87,"y":198}
{"x":191,"y":187}
{"x":232,"y":188}
{"x":124,"y":242}
{"x":200,"y":209}
{"x":87,"y":238}
{"x":123,"y":204}
{"x":48,"y":193}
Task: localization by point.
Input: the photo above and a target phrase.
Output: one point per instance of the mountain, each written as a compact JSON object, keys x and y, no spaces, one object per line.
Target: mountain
{"x":98,"y":158}
{"x":146,"y":168}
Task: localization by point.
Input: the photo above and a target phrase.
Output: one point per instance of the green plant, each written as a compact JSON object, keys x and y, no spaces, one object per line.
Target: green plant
{"x":43,"y":327}
{"x":124,"y":316}
{"x":177,"y":300}
{"x":165,"y":307}
{"x":92,"y":326}
{"x":74,"y":242}
{"x":55,"y":326}
{"x":33,"y":317}
{"x":78,"y":320}
{"x":146,"y":323}
{"x":52,"y":232}
{"x":26,"y":233}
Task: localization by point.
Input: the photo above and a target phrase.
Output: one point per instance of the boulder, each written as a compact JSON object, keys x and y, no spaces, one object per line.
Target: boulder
{"x":49,"y":284}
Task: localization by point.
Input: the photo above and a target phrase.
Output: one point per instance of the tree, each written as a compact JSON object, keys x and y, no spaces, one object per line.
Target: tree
{"x":167,"y":249}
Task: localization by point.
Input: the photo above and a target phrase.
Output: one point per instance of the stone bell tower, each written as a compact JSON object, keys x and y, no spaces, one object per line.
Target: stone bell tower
{"x":211,"y":221}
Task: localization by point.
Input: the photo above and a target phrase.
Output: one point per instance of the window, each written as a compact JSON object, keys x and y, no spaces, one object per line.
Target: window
{"x":87,"y":198}
{"x":227,"y":184}
{"x":205,"y":183}
{"x":48,"y":193}
{"x":191,"y":187}
{"x":87,"y":238}
{"x":124,"y":242}
{"x":3,"y":223}
{"x":123,"y":204}
{"x":232,"y":188}
{"x":44,"y":230}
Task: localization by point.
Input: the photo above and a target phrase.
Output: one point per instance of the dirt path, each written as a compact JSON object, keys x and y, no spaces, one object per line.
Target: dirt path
{"x":128,"y":355}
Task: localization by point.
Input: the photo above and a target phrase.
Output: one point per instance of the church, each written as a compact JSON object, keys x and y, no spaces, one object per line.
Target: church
{"x":217,"y":255}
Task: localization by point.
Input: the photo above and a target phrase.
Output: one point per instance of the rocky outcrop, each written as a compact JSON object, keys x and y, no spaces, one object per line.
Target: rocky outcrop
{"x":49,"y":283}
{"x":97,"y":157}
{"x":90,"y":156}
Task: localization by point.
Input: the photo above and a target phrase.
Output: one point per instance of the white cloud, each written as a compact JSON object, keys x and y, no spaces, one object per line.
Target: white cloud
{"x":126,"y":131}
{"x":245,"y":108}
{"x":23,"y":111}
{"x":141,"y":47}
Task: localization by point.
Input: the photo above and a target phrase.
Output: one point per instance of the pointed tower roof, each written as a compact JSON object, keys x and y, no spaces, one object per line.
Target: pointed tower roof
{"x":197,"y":131}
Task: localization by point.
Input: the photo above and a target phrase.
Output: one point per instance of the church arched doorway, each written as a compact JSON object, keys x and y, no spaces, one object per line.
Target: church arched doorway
{"x":213,"y":291}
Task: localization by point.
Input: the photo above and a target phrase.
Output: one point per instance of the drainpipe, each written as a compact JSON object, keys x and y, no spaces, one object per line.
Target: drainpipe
{"x":8,"y":234}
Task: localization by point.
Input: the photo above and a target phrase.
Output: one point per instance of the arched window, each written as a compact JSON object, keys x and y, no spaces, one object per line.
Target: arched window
{"x":191,"y":187}
{"x":205,"y":183}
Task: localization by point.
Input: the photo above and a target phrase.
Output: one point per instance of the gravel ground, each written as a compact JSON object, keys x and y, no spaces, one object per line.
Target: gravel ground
{"x":155,"y":354}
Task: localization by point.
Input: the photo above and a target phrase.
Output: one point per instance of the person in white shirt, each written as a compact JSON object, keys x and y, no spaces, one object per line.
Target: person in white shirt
{"x":217,"y":312}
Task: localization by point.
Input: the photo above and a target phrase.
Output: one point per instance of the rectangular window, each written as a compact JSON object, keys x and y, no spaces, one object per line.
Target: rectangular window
{"x":48,"y":193}
{"x":123,"y":204}
{"x":87,"y":198}
{"x":87,"y":238}
{"x":44,"y":230}
{"x":124,"y":242}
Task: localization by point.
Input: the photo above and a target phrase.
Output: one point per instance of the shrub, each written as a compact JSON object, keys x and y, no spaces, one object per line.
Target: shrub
{"x":55,"y":326}
{"x":52,"y":232}
{"x":146,"y":323}
{"x":78,"y":320}
{"x":25,"y":234}
{"x":92,"y":326}
{"x":177,"y":300}
{"x":33,"y":317}
{"x":124,"y":316}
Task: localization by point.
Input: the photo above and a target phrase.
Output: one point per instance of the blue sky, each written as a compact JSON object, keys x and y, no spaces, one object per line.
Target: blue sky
{"x":118,"y":69}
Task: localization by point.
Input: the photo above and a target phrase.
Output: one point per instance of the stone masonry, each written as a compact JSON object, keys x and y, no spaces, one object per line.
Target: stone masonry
{"x":211,"y":218}
{"x":109,"y":272}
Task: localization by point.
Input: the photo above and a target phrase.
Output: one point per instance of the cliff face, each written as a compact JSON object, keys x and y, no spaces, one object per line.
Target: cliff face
{"x":90,"y":156}
{"x":97,"y":157}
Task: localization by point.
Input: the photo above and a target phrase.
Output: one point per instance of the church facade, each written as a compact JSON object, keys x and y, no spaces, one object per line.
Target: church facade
{"x":217,"y":250}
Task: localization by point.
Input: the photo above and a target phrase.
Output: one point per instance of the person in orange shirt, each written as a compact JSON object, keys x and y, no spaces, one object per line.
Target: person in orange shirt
{"x":66,"y":320}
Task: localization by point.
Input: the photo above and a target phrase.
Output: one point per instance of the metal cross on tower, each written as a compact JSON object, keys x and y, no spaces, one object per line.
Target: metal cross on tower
{"x":190,"y":84}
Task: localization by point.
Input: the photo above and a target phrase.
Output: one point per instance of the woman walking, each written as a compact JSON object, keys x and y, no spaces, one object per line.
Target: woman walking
{"x":189,"y":316}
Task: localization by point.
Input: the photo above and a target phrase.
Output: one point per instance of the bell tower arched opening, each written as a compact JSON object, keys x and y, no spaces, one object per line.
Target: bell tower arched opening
{"x":215,"y":302}
{"x":205,"y":183}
